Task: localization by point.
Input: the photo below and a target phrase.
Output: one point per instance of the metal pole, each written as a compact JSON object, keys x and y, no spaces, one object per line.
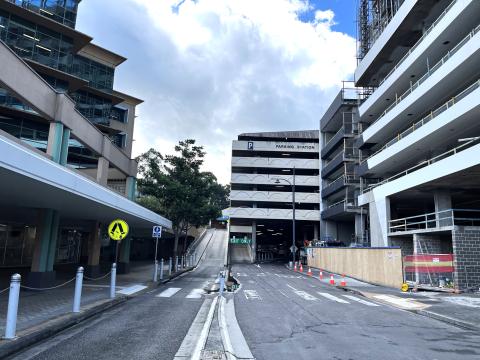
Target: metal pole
{"x":155,"y":271}
{"x":12,"y":311}
{"x":78,"y":290}
{"x":170,"y":266}
{"x":161,"y":269}
{"x":293,"y":216}
{"x":222,"y":284}
{"x":113,"y":278}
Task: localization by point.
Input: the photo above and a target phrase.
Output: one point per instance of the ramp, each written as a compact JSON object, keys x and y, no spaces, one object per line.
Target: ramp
{"x":240,"y":254}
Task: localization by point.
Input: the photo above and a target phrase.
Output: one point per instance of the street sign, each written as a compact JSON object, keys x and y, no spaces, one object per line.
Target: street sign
{"x":293,"y":248}
{"x":250,"y":145}
{"x":118,"y":229}
{"x":157,"y":231}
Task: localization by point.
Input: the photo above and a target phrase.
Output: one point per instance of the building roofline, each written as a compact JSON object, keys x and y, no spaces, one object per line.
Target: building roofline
{"x":102,"y":55}
{"x":135,"y":101}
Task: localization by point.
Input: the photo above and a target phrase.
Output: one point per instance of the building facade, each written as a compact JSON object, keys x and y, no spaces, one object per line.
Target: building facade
{"x":263,"y":168}
{"x":66,"y":142}
{"x":418,"y":139}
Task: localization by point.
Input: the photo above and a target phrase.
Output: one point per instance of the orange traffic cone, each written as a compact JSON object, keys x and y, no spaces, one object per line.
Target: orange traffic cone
{"x":320,"y":275}
{"x":309,"y":273}
{"x":332,"y":282}
{"x":343,"y":282}
{"x":301,"y":267}
{"x":295,"y":266}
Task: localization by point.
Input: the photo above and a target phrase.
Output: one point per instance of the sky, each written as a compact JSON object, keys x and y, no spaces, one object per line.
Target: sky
{"x":212,"y":69}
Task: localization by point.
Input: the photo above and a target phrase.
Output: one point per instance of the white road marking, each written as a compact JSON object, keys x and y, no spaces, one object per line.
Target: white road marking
{"x":281,"y":292}
{"x":361,"y":301}
{"x":331,"y":297}
{"x":169,"y":292}
{"x":291,"y":287}
{"x":195,"y":294}
{"x":261,"y":274}
{"x":251,"y":295}
{"x":241,"y":274}
{"x":132,"y":289}
{"x":404,"y":303}
{"x":305,"y":295}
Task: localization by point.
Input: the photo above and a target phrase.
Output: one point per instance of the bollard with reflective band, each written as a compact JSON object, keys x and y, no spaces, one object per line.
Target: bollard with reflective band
{"x":170,"y":266}
{"x":161,"y":269}
{"x":155,"y":271}
{"x":77,"y":298}
{"x":13,"y":295}
{"x":222,"y":284}
{"x":113,"y":279}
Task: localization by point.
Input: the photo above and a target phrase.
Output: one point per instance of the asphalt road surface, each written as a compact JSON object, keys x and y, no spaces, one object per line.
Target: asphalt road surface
{"x":149,"y":326}
{"x":284,"y":315}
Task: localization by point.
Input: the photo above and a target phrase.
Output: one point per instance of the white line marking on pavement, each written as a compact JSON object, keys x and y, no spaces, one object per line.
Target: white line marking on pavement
{"x":132,"y":289}
{"x":331,"y":297}
{"x":169,"y":292}
{"x":251,"y":294}
{"x":305,"y":295}
{"x":404,"y":303}
{"x":281,"y":292}
{"x":204,"y":334}
{"x":361,"y":301}
{"x":195,"y":294}
{"x":291,"y":287}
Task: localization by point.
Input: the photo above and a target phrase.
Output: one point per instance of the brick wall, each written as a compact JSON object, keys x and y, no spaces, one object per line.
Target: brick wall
{"x":466,"y":250}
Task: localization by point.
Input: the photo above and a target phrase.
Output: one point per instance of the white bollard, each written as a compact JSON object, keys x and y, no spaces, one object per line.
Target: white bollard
{"x":113,"y":279}
{"x":155,"y":271}
{"x":161,"y":269}
{"x":170,"y":266}
{"x":78,"y":290}
{"x":12,"y":311}
{"x":176,"y":263}
{"x":222,"y":284}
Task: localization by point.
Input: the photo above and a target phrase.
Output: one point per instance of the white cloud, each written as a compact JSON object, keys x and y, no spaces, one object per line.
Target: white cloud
{"x":211,"y":69}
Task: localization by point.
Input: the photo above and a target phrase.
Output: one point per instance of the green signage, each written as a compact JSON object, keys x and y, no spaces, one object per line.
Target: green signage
{"x":244,"y":240}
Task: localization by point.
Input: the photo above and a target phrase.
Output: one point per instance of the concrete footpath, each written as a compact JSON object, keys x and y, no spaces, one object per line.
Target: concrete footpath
{"x":44,"y":313}
{"x":461,"y":310}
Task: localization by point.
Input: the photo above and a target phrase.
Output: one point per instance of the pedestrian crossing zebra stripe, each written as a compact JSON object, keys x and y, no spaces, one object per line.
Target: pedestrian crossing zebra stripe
{"x":169,"y":292}
{"x":368,"y":303}
{"x":332,"y":297}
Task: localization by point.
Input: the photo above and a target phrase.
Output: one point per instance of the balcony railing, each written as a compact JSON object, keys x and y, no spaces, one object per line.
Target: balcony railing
{"x":424,"y":163}
{"x":435,"y":23}
{"x":429,"y":73}
{"x":433,"y":114}
{"x":434,"y":220}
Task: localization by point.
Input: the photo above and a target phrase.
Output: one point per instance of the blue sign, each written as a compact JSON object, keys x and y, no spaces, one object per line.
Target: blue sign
{"x":157,"y":231}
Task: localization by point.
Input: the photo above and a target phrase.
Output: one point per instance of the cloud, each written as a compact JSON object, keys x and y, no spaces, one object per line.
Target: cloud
{"x":211,"y":69}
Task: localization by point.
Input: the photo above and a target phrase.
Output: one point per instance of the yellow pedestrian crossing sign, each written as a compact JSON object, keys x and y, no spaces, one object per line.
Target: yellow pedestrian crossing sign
{"x":118,"y":229}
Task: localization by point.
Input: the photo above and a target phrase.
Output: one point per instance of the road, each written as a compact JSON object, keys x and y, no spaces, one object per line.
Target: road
{"x":149,"y":326}
{"x":284,"y":315}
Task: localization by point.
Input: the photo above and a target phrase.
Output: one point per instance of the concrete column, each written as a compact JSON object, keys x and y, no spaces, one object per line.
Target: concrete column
{"x":315,"y":232}
{"x":54,"y":144}
{"x":102,"y":171}
{"x":94,"y":246}
{"x":123,"y":266}
{"x":254,"y":241}
{"x":42,"y":274}
{"x":379,"y":214}
{"x":359,"y":221}
{"x":466,"y":242}
{"x":131,"y":187}
{"x":443,"y":201}
{"x":64,"y":149}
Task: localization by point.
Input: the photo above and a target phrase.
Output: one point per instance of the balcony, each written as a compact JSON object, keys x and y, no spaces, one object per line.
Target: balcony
{"x":347,"y":154}
{"x":338,"y":184}
{"x":274,"y":196}
{"x":456,"y":68}
{"x":279,"y":163}
{"x":346,"y":99}
{"x":348,"y":130}
{"x":263,"y":179}
{"x":340,"y":209}
{"x":434,"y":221}
{"x":273,"y":214}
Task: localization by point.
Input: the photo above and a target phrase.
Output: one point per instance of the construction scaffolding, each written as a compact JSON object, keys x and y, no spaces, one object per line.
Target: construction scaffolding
{"x":373,"y":17}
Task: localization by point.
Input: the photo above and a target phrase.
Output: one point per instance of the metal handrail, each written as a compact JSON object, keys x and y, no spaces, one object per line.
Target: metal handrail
{"x":424,"y":164}
{"x":435,"y":23}
{"x":439,"y":217}
{"x":433,"y":114}
{"x":429,"y":73}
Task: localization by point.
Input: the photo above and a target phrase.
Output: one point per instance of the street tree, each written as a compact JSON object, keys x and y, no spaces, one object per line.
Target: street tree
{"x":176,"y":187}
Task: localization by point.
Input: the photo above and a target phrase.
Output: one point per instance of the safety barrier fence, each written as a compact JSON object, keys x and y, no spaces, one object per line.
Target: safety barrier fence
{"x":434,"y":270}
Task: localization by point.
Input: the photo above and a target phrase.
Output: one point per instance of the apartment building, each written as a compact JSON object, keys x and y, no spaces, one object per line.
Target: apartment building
{"x":66,"y":141}
{"x":265,"y":166}
{"x":342,"y":219}
{"x":419,"y":131}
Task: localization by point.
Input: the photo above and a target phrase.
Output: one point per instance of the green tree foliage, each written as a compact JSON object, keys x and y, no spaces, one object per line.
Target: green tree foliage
{"x":175,"y":186}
